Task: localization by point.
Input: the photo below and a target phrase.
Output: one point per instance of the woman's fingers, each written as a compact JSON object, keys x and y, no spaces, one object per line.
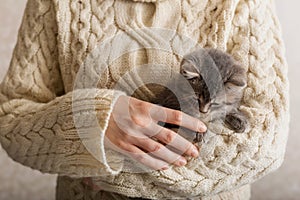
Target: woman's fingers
{"x":124,"y":143}
{"x":145,"y":158}
{"x":133,"y":126}
{"x":172,"y":139}
{"x":160,"y":151}
{"x":177,"y":117}
{"x":146,"y":150}
{"x":142,"y":113}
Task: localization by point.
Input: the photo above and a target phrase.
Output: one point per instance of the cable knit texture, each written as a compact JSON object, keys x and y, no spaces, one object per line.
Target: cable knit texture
{"x":38,"y":103}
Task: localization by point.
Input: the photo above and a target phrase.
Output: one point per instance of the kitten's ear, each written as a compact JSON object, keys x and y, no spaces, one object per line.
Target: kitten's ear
{"x":239,"y":77}
{"x":189,"y":70}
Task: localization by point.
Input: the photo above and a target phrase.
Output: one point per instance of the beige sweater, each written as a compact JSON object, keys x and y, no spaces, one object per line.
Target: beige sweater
{"x":39,"y":105}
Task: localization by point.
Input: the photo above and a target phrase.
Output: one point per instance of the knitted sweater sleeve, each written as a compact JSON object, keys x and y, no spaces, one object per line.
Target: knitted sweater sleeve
{"x":37,"y":126}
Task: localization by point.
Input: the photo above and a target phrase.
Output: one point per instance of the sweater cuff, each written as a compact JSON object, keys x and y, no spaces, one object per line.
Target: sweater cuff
{"x":91,"y":121}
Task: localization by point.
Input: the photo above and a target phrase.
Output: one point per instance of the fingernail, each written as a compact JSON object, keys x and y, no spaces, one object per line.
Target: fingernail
{"x":195,"y":152}
{"x":182,"y":161}
{"x":202,"y":127}
{"x":165,"y":168}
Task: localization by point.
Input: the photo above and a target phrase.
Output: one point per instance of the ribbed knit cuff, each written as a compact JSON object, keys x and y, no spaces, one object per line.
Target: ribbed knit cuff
{"x":91,"y":113}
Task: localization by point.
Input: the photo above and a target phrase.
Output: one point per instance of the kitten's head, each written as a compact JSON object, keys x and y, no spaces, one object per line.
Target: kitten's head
{"x":216,"y":78}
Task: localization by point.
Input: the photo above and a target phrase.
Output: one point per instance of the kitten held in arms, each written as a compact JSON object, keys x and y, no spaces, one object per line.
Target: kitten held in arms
{"x":216,"y":83}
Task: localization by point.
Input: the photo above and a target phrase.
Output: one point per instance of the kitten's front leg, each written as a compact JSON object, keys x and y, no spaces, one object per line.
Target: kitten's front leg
{"x":236,"y":121}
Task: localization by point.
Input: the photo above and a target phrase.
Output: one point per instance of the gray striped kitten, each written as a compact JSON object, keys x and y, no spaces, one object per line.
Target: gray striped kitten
{"x":216,"y":83}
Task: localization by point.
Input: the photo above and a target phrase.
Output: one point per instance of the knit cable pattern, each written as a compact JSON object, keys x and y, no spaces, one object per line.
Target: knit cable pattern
{"x":36,"y":123}
{"x":37,"y":107}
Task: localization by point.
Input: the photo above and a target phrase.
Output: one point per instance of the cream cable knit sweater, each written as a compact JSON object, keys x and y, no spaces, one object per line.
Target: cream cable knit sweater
{"x":36,"y":119}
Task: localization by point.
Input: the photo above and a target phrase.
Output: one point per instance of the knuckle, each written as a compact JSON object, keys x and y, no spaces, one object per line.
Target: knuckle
{"x":142,"y":106}
{"x":157,"y":147}
{"x":177,"y":116}
{"x":135,"y":119}
{"x":169,"y":137}
{"x":152,"y":146}
{"x":140,"y":121}
{"x":122,"y":144}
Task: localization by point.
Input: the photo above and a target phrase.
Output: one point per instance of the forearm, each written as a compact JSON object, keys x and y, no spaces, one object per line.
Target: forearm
{"x":51,"y":137}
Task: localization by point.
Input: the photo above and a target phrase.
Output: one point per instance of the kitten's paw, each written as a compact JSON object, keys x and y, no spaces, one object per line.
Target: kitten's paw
{"x":236,"y":122}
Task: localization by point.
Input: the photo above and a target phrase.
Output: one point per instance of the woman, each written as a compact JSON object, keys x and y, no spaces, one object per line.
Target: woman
{"x":42,"y":111}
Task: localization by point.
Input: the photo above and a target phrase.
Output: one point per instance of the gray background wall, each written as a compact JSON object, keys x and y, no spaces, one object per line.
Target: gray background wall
{"x":18,"y":182}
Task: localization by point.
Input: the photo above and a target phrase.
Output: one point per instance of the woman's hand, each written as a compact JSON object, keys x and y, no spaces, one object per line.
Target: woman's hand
{"x":133,"y":131}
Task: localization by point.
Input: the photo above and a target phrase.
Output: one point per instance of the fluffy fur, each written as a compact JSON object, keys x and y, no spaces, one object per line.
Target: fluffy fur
{"x":209,"y":87}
